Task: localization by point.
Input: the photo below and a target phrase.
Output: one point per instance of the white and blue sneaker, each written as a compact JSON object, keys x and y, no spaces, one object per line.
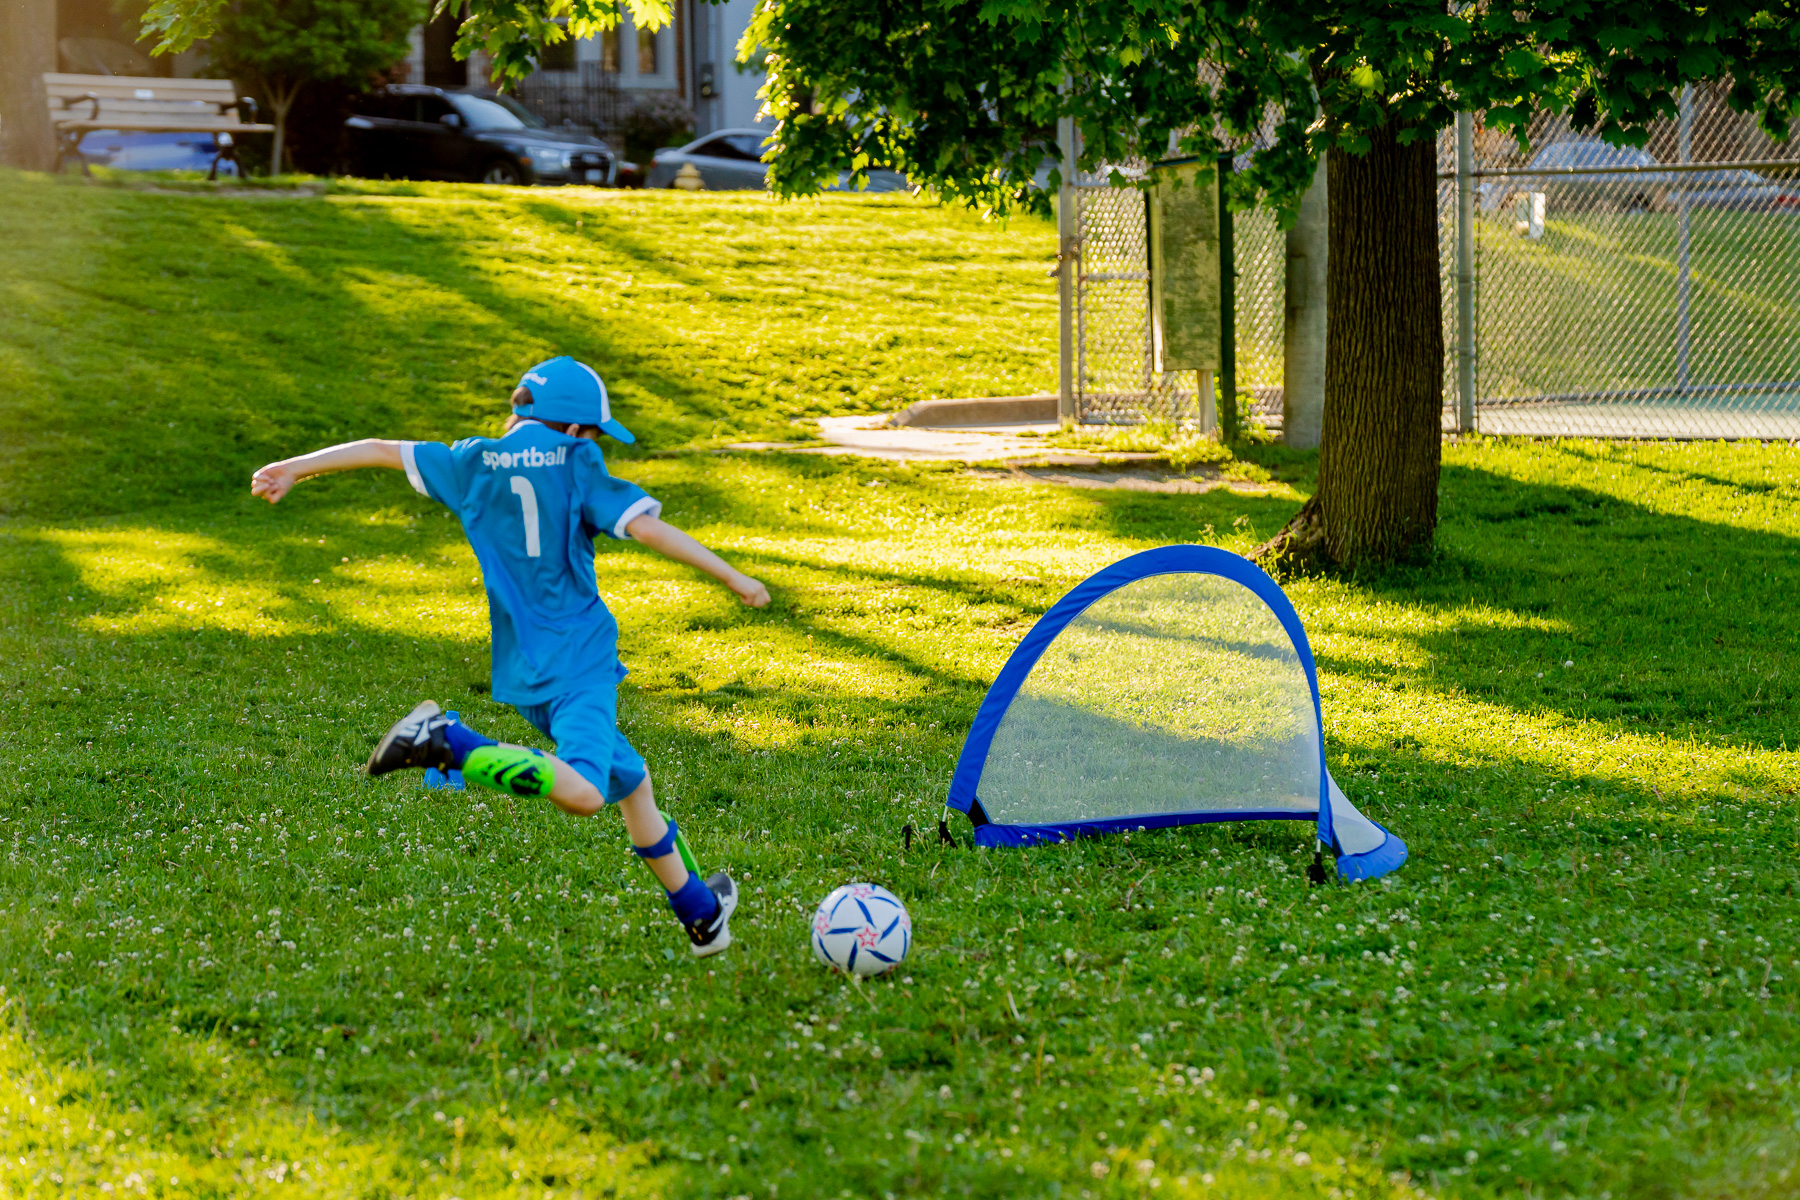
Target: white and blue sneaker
{"x":711,"y":936}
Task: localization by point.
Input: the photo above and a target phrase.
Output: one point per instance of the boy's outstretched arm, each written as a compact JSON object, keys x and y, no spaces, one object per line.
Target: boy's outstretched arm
{"x":671,"y":542}
{"x":278,"y":478}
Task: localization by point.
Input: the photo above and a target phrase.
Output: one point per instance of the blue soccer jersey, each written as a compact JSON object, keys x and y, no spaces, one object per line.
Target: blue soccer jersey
{"x":532,"y":503}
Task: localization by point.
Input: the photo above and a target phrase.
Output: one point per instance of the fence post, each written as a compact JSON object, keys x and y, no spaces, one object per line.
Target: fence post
{"x":1303,"y":320}
{"x":1465,"y":272}
{"x":1228,"y":402}
{"x":1684,"y":153}
{"x":1068,"y":262}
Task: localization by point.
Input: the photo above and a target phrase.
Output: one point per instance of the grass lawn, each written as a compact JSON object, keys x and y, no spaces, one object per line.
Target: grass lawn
{"x":233,"y":965}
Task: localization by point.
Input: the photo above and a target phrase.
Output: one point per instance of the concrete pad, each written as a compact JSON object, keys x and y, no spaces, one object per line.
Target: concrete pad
{"x":871,"y":437}
{"x":988,"y":412}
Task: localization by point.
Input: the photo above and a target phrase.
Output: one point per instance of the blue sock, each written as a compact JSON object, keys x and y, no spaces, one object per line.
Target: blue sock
{"x":464,"y":741}
{"x":693,"y":901}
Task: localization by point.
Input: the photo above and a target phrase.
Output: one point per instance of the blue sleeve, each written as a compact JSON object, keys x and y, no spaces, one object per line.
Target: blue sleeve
{"x":609,"y":504}
{"x":431,"y":469}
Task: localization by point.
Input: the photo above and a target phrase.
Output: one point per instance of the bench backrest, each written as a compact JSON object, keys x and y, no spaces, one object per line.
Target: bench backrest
{"x":149,"y":98}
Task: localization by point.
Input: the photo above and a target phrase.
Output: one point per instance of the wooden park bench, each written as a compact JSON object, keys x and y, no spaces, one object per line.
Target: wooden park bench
{"x":80,"y":104}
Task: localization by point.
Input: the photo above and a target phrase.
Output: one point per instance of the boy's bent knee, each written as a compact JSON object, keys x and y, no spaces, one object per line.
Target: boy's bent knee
{"x":637,"y":794}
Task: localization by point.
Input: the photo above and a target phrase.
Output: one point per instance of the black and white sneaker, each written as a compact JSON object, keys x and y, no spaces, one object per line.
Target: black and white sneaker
{"x":710,"y":937}
{"x":416,"y":740}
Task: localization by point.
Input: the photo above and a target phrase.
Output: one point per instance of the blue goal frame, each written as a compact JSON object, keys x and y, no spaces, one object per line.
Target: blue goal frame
{"x":1165,"y":560}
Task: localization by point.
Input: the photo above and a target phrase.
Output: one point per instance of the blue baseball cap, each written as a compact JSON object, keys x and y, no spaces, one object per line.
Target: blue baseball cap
{"x":563,"y":389}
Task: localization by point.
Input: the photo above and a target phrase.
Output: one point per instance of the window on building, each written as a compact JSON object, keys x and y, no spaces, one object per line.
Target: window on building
{"x":609,"y":52}
{"x":557,"y":56}
{"x":648,"y":61}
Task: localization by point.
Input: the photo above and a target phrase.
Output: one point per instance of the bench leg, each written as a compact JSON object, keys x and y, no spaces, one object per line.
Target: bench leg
{"x":227,"y":152}
{"x":70,"y":144}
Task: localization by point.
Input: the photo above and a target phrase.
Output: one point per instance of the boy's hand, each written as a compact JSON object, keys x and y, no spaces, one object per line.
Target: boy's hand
{"x":750,"y":591}
{"x":273,"y":482}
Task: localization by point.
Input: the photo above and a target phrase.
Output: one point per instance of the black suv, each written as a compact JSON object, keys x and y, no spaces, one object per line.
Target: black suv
{"x":408,"y":131}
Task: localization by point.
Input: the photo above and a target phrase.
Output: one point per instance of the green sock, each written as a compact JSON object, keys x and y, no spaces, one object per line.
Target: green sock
{"x":511,"y":769}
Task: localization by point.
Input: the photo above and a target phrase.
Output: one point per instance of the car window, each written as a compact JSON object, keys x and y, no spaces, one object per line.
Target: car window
{"x":378,"y":104}
{"x":750,"y":145}
{"x":433,"y":108}
{"x":482,"y":113}
{"x":530,"y":119}
{"x":494,"y":112}
{"x":724,"y":146}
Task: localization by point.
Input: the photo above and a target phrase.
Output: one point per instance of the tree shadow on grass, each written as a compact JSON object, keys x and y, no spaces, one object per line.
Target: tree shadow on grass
{"x":1669,"y":621}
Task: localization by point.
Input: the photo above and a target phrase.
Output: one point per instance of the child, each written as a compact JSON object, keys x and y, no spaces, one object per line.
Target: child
{"x":531,"y":503}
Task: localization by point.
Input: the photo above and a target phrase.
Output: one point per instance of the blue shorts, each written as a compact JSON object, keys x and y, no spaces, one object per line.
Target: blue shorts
{"x":585,"y":728}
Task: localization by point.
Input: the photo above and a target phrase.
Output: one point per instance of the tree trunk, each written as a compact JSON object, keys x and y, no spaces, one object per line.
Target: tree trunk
{"x":1380,"y":445}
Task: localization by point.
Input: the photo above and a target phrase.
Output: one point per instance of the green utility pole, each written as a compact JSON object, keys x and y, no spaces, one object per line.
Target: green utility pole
{"x":1228,"y":406}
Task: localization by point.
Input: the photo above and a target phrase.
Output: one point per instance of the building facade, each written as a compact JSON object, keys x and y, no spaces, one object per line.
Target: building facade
{"x":688,"y":64}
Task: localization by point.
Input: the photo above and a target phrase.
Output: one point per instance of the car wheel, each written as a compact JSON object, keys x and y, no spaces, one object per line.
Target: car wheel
{"x":501,"y":171}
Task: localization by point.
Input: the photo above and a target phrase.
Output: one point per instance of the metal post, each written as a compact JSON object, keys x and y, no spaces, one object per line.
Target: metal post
{"x":1068,"y":264}
{"x":1685,"y":153}
{"x":1303,"y":319}
{"x":1228,"y":405}
{"x":1465,"y":272}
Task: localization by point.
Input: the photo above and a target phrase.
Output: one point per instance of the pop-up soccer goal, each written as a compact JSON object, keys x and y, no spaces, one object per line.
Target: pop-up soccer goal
{"x":1172,"y":688}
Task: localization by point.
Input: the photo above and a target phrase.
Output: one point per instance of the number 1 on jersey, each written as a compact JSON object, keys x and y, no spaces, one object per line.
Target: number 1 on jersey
{"x":527,"y":495}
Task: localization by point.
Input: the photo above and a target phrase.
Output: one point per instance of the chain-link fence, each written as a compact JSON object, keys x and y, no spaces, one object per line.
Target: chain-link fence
{"x":1261,"y":262}
{"x":1614,"y":291}
{"x":1116,"y":380}
{"x":1632,"y":293}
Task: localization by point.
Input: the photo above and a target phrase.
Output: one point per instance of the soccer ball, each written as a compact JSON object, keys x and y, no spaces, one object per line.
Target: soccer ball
{"x":861,"y":928}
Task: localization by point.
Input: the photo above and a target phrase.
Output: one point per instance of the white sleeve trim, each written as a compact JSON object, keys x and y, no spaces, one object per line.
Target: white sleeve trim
{"x":409,"y":460}
{"x":645,"y":506}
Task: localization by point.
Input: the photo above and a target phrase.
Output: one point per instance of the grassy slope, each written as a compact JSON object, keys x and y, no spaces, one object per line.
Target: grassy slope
{"x":232,"y":960}
{"x":272,"y":319}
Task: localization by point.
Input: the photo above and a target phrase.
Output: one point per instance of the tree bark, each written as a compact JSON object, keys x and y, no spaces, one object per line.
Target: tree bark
{"x":27,"y":51}
{"x":1380,"y":445}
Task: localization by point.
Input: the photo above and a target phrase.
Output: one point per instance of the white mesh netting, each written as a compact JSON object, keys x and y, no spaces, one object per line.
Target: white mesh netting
{"x":1175,"y":693}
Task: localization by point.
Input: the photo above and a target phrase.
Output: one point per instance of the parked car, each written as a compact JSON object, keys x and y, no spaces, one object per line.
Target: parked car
{"x":1735,"y":189}
{"x":731,"y":160}
{"x":410,"y":131}
{"x":1634,"y":191}
{"x":1628,"y":191}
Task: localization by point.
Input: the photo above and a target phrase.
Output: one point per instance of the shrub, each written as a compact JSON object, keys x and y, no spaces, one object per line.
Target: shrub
{"x":653,"y":123}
